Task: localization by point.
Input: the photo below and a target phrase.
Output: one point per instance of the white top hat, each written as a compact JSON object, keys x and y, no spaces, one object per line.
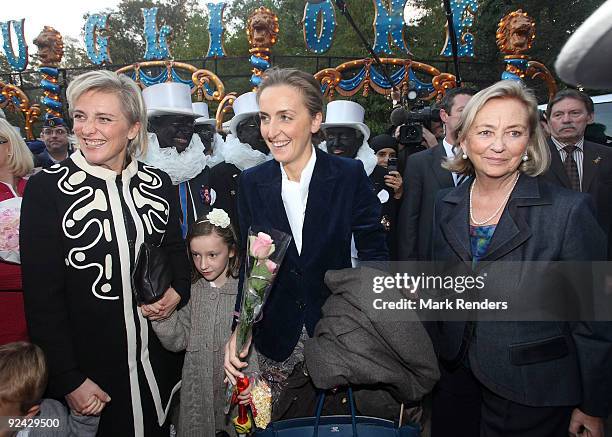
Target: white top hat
{"x":346,"y":113}
{"x":168,"y":98}
{"x":244,"y":106}
{"x":586,"y":58}
{"x":201,"y":109}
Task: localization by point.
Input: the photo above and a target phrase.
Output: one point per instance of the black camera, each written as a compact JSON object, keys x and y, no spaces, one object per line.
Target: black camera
{"x":410,"y":134}
{"x":391,"y":165}
{"x":411,"y":122}
{"x":424,"y":114}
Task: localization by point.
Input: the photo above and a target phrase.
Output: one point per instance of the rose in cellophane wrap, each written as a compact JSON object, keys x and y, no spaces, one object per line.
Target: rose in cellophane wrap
{"x":266,"y":249}
{"x":9,"y":230}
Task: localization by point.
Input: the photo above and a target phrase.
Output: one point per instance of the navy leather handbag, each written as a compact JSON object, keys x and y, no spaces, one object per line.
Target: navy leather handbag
{"x":337,"y":426}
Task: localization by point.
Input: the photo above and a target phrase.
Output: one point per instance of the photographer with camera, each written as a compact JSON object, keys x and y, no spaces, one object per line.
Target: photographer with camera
{"x":386,"y":149}
{"x":412,"y":130}
{"x":424,"y":176}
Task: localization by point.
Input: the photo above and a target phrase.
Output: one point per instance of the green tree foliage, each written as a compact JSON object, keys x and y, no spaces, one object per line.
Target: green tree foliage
{"x":555,"y":21}
{"x":424,"y":34}
{"x":346,"y":45}
{"x":426,"y":29}
{"x":74,"y":54}
{"x":126,"y":26}
{"x":4,"y":65}
{"x":194,"y":44}
{"x":291,"y":37}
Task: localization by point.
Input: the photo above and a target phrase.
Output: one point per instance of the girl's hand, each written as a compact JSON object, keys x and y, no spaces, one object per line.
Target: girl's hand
{"x":394,"y":180}
{"x":94,"y":407}
{"x":163,"y":308}
{"x":245,"y":397}
{"x":231,"y":363}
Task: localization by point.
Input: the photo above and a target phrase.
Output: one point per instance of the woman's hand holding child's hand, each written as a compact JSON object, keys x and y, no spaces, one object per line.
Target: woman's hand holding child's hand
{"x":88,"y":399}
{"x":163,"y":308}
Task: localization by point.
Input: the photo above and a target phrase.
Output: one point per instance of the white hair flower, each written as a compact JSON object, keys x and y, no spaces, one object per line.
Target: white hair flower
{"x":218,"y":217}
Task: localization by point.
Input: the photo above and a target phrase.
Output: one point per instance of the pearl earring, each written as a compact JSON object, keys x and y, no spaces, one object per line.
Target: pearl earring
{"x":464,"y":156}
{"x":525,"y":158}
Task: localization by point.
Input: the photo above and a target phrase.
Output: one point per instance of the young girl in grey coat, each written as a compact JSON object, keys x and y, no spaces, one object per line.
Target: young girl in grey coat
{"x":203,"y":326}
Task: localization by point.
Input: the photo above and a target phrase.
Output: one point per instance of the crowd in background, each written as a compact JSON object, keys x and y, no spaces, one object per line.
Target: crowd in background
{"x":491,"y":179}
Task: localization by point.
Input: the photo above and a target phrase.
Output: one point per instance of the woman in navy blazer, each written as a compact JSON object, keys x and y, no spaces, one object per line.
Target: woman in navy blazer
{"x":516,"y":378}
{"x":320,"y":199}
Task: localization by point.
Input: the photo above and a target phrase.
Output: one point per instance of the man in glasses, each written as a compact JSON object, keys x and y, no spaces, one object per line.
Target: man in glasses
{"x":57,"y":147}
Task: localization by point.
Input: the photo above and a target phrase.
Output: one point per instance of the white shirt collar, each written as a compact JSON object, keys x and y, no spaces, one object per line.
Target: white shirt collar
{"x":307,"y":171}
{"x":295,"y":199}
{"x":560,"y":145}
{"x":448,"y":148}
{"x":10,"y":187}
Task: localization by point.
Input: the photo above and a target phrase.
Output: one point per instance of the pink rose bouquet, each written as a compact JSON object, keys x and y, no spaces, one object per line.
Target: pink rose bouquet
{"x":9,"y":230}
{"x":266,"y":249}
{"x":265,"y":252}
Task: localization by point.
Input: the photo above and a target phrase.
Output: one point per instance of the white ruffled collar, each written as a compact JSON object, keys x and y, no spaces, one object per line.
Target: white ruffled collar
{"x":365,"y":154}
{"x":217,"y":155}
{"x":181,"y":167}
{"x":242,"y":155}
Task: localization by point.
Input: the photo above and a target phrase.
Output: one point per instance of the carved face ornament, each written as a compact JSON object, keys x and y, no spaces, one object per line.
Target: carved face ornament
{"x":520,"y":34}
{"x":50,"y":46}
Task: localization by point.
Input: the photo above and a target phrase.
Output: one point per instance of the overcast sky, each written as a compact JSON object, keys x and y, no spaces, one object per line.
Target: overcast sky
{"x":65,"y":16}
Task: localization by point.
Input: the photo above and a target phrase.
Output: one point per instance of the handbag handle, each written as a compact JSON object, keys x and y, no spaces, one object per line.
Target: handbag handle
{"x":320,"y":410}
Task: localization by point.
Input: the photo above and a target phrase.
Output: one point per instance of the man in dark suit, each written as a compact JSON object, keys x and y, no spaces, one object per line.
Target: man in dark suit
{"x":578,"y":164}
{"x":57,"y":148}
{"x":423,"y":177}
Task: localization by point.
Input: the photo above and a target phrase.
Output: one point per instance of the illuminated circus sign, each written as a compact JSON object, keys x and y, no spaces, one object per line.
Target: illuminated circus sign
{"x":318,"y":24}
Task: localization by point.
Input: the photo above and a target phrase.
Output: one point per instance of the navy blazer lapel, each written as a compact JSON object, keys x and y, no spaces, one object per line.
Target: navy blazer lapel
{"x":444,"y":177}
{"x":270,"y":188}
{"x":320,"y":192}
{"x":556,"y":165}
{"x":456,"y":228}
{"x":588,"y":166}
